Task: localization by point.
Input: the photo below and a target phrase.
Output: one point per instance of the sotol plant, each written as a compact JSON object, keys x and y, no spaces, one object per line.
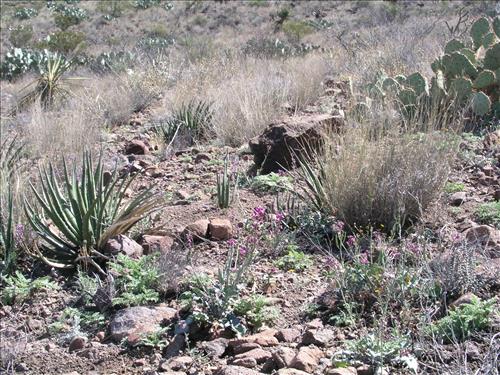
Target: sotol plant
{"x":81,"y":211}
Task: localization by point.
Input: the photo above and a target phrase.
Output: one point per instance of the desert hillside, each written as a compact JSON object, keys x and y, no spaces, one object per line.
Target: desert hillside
{"x":249,"y":187}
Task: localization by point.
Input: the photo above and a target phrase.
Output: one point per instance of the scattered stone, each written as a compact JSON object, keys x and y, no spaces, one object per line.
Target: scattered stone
{"x":245,"y":362}
{"x":215,"y":348}
{"x":315,"y":324}
{"x":365,"y":370}
{"x":342,"y":371}
{"x":134,"y":322}
{"x":264,"y":338}
{"x":201,"y":157}
{"x":482,"y":235}
{"x":180,"y":363}
{"x":153,"y":244}
{"x":280,"y":143}
{"x":100,"y":336}
{"x":291,"y":371}
{"x":77,"y":343}
{"x":463,"y":300}
{"x":283,"y":357}
{"x":183,"y":194}
{"x":50,"y":346}
{"x":236,"y":370}
{"x":458,"y":198}
{"x":123,"y":245}
{"x":245,"y":347}
{"x":220,"y":229}
{"x":307,"y":359}
{"x":140,"y":362}
{"x":260,"y":355}
{"x":320,"y":337}
{"x":288,"y":335}
{"x":136,"y":147}
{"x":176,"y":346}
{"x":198,"y":229}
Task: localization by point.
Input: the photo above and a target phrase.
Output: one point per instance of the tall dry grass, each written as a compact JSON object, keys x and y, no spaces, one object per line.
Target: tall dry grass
{"x":383,"y":172}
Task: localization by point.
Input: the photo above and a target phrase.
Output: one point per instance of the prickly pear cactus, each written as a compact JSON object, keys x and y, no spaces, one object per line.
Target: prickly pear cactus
{"x":492,"y":57}
{"x":479,"y":29}
{"x":485,"y":79}
{"x":418,"y":83}
{"x":457,"y":64}
{"x":453,"y":46}
{"x":461,"y":89}
{"x":481,"y":103}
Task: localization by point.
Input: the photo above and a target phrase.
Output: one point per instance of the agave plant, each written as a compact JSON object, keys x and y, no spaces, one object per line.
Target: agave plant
{"x":81,"y":212}
{"x":50,"y":84}
{"x":224,"y":194}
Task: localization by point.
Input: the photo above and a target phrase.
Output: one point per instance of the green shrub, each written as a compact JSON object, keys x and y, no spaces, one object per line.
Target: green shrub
{"x":113,"y":61}
{"x":67,"y":17}
{"x":453,"y":187}
{"x":489,"y":213}
{"x":272,"y":182}
{"x":20,"y":36}
{"x":273,"y":48}
{"x":296,"y":30}
{"x":462,"y":322}
{"x":63,"y":41}
{"x":17,"y":288}
{"x":145,"y":4}
{"x":135,"y":280}
{"x":25,"y":13}
{"x":256,"y":311}
{"x":86,"y":210}
{"x":155,"y":44}
{"x":294,"y":260}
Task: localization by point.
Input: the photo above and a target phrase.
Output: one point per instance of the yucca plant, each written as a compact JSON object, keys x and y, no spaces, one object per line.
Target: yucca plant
{"x":50,"y":84}
{"x":81,"y":212}
{"x":224,"y":194}
{"x":190,"y":121}
{"x":10,"y":157}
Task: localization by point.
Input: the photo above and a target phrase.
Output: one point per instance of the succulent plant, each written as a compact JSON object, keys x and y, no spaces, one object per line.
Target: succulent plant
{"x":481,"y":103}
{"x":479,"y":29}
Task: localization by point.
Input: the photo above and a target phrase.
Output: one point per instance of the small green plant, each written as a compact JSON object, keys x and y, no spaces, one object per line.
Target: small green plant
{"x":71,"y":317}
{"x":17,"y":288}
{"x":21,"y":35}
{"x":378,"y":351}
{"x":69,"y":16}
{"x":294,"y":260}
{"x":191,"y":121}
{"x":463,"y":321}
{"x":272,"y":182}
{"x":87,"y":209}
{"x":25,"y":13}
{"x":296,"y":30}
{"x":489,"y":213}
{"x":136,"y":280}
{"x":50,"y":84}
{"x":453,"y":187}
{"x":63,"y":42}
{"x":256,"y":311}
{"x":145,"y":4}
{"x":227,"y":184}
{"x":156,"y":339}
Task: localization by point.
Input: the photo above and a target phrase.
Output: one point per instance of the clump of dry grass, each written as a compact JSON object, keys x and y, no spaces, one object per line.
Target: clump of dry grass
{"x":382,"y":172}
{"x":246,"y":93}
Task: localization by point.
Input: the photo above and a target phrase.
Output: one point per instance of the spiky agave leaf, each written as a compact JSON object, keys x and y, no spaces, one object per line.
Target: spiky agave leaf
{"x":81,"y":212}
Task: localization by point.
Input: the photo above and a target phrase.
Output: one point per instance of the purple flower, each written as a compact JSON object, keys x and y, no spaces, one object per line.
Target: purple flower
{"x":456,"y":237}
{"x":231,"y":242}
{"x":243,"y":250}
{"x":338,"y":226}
{"x":363,"y":258}
{"x":281,"y":173}
{"x":259,"y":213}
{"x":351,"y":240}
{"x":280,"y":216}
{"x":413,"y":247}
{"x":189,"y":239}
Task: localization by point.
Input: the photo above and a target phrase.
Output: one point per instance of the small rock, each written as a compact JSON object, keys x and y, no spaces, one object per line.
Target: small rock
{"x":77,"y":343}
{"x":291,"y":371}
{"x":315,"y":324}
{"x":245,"y":362}
{"x":245,"y":347}
{"x":458,"y":198}
{"x":100,"y":335}
{"x":259,"y":355}
{"x":175,"y":347}
{"x":140,"y":362}
{"x":215,"y":348}
{"x":50,"y":346}
{"x":202,"y":157}
{"x":264,"y":339}
{"x":342,"y":371}
{"x":307,"y":359}
{"x":180,"y":363}
{"x":320,"y":337}
{"x":136,"y":147}
{"x":123,"y":245}
{"x":220,"y":229}
{"x":134,"y":322}
{"x":365,"y":370}
{"x":153,"y":244}
{"x":183,"y":194}
{"x":198,"y":229}
{"x":288,"y":335}
{"x":482,"y":235}
{"x":463,"y":300}
{"x":283,"y":357}
{"x":236,"y":370}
